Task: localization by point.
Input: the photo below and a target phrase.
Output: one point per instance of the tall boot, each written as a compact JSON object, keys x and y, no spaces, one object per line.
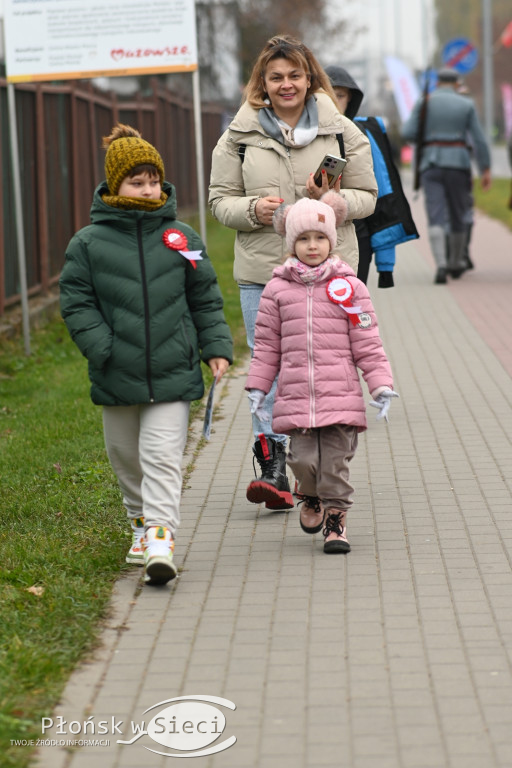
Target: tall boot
{"x":272,"y":487}
{"x":457,"y":263}
{"x":467,"y":258}
{"x":437,"y":239}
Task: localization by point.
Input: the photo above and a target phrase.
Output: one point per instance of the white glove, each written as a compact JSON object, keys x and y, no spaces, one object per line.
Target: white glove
{"x":383,"y":403}
{"x":256,"y":399}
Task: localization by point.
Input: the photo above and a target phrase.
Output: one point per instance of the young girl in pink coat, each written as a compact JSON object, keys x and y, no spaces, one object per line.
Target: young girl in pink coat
{"x":316,"y":326}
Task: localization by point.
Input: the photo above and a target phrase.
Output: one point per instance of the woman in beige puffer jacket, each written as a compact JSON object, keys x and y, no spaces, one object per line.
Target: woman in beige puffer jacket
{"x":270,"y":168}
{"x":287,"y":124}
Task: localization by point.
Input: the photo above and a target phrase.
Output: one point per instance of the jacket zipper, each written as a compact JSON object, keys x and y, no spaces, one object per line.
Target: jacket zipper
{"x":188,"y":343}
{"x":309,"y":350}
{"x":146,"y":312}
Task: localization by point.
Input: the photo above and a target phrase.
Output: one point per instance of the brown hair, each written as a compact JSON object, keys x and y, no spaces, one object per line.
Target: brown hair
{"x":291,"y":49}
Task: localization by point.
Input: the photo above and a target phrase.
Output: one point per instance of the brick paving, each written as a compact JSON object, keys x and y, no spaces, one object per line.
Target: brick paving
{"x":398,"y":655}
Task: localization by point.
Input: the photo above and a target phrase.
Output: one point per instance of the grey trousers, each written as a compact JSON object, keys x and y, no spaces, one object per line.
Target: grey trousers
{"x":447,"y":197}
{"x":319,"y":459}
{"x":145,"y":445}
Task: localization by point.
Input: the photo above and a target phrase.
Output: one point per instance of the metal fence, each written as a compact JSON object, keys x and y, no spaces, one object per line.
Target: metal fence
{"x":60,"y":127}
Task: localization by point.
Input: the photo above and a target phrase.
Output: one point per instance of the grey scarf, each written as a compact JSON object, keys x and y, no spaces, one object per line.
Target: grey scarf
{"x":304,"y":132}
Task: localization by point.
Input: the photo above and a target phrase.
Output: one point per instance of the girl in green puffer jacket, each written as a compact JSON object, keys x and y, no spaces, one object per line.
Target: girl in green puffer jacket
{"x":140,"y":299}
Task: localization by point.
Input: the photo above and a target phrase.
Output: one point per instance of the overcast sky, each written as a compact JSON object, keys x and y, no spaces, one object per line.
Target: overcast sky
{"x":403,"y":28}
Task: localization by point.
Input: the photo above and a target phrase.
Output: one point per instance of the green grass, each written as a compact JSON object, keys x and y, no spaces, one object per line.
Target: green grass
{"x":63,"y":532}
{"x":495,"y":202}
{"x":220,"y":243}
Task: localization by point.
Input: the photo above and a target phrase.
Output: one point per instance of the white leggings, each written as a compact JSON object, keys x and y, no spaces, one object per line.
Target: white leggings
{"x":145,"y":445}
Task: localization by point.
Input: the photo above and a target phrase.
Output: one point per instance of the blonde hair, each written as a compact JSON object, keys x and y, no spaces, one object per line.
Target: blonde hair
{"x":291,"y":49}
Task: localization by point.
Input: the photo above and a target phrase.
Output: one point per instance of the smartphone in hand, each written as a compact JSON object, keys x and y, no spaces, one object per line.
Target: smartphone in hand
{"x":333,"y":166}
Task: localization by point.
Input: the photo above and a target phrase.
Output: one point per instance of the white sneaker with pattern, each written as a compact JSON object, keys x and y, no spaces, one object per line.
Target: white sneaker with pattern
{"x":158,"y":554}
{"x":135,"y":554}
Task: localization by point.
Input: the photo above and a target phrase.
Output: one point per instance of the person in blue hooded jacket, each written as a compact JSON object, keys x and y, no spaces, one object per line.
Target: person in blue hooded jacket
{"x":392,"y":222}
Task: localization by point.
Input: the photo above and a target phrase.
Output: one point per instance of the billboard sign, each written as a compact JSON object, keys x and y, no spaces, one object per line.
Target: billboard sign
{"x":72,"y":39}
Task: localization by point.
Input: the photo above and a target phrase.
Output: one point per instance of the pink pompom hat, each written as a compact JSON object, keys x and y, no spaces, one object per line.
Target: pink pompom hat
{"x":323,"y":215}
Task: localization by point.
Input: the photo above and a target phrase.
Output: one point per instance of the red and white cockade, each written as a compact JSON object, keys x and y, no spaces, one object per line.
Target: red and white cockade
{"x":176,"y":241}
{"x":340,"y":291}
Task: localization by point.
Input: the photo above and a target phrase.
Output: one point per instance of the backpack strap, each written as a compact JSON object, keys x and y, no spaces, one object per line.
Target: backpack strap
{"x":339,"y":136}
{"x":341,"y":144}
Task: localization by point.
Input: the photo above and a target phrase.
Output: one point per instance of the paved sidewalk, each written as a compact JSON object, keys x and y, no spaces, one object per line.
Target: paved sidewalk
{"x":398,"y":655}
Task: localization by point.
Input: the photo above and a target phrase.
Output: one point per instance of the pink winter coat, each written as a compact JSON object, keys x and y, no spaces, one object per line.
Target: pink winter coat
{"x":316,"y":349}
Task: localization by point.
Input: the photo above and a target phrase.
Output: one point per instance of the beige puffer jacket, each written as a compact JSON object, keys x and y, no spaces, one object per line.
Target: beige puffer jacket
{"x":270,"y":168}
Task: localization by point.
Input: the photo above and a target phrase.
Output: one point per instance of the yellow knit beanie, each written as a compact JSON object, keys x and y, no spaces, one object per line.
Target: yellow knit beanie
{"x":126,"y":149}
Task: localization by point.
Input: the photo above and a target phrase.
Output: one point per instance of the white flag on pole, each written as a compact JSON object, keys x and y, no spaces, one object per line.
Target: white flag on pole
{"x":405,"y":87}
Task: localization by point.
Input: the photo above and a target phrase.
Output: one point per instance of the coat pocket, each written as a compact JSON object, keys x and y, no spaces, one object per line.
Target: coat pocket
{"x":188,"y":346}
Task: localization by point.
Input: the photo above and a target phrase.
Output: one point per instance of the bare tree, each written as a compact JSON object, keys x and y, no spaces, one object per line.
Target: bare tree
{"x":308,"y":20}
{"x":218,"y":37}
{"x":231,"y":33}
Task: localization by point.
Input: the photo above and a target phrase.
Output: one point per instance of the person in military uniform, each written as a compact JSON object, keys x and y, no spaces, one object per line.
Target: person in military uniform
{"x":444,"y":123}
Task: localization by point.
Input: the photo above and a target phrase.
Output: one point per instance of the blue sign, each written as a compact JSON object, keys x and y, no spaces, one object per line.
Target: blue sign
{"x":428,"y":78}
{"x":460,"y":54}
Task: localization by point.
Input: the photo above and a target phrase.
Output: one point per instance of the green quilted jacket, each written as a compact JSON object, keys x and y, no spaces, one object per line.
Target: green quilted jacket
{"x":138,"y":310}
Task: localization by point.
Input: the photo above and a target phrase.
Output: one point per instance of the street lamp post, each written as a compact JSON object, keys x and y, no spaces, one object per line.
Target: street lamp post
{"x":424,"y":34}
{"x":397,"y":24}
{"x":488,"y":70}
